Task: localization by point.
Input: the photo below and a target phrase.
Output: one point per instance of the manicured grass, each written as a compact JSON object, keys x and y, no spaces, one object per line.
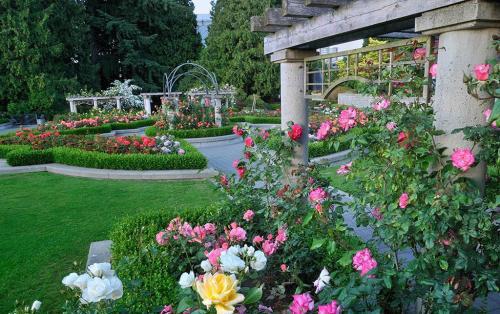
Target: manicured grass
{"x":338,"y":181}
{"x":48,"y":221}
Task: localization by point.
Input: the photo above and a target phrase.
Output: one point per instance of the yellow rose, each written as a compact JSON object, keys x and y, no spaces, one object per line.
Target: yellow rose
{"x":221,"y":291}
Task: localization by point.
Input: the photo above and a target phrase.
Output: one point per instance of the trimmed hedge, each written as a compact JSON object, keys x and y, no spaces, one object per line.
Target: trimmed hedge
{"x":19,"y":155}
{"x":139,"y":260}
{"x":106,"y":128}
{"x":193,"y":133}
{"x":256,"y":119}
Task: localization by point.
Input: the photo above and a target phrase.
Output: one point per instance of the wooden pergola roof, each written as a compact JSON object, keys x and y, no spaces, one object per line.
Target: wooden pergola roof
{"x":313,"y":24}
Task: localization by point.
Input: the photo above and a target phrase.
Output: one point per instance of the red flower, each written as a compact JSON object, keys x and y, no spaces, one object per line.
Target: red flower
{"x":248,"y":155}
{"x":237,"y":130}
{"x":295,"y":133}
{"x":249,"y":142}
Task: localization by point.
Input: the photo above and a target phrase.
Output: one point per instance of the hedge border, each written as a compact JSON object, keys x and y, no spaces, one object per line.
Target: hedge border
{"x":22,"y":155}
{"x":108,"y":127}
{"x":192,"y":133}
{"x":256,"y":119}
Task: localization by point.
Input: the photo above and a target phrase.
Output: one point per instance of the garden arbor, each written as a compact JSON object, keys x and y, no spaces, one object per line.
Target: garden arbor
{"x":465,"y":29}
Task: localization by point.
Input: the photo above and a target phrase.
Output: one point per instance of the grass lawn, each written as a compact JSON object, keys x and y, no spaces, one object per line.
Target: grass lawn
{"x":338,"y":181}
{"x":48,"y":221}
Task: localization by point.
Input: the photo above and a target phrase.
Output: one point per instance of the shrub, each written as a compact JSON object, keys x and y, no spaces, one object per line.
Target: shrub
{"x":193,"y":133}
{"x":132,"y":125}
{"x":148,"y":267}
{"x":5,"y":149}
{"x":26,"y":156}
{"x":105,"y":128}
{"x":256,"y":119}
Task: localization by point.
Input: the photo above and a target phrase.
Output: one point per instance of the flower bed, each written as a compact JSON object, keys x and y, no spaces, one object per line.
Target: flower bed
{"x":126,"y":153}
{"x":256,"y":119}
{"x":193,"y":133}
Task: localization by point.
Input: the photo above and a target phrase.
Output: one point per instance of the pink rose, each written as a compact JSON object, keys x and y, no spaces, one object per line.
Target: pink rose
{"x":487,"y":114}
{"x":295,"y":133}
{"x":344,"y":169}
{"x":323,"y":130}
{"x":181,"y":151}
{"x":377,"y":214}
{"x":167,"y":310}
{"x":419,"y":54}
{"x":283,"y":267}
{"x":269,"y":247}
{"x":248,"y":215}
{"x":433,"y":70}
{"x":257,"y":239}
{"x":302,"y":303}
{"x":249,"y":142}
{"x":236,"y":163}
{"x":462,"y":158}
{"x":264,"y":134}
{"x":213,"y":256}
{"x":237,"y":130}
{"x":482,"y":71}
{"x":282,"y":236}
{"x":330,"y":308}
{"x":224,"y":181}
{"x":317,"y":195}
{"x":403,"y":200}
{"x":363,"y":262}
{"x":161,"y":238}
{"x":210,"y":228}
{"x":391,"y":126}
{"x":347,"y":118}
{"x":241,"y":171}
{"x":237,"y":234}
{"x":381,"y":105}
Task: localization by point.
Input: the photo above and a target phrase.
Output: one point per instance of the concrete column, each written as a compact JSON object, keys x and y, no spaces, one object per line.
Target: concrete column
{"x":147,"y":104}
{"x":72,"y":106}
{"x":118,"y":103}
{"x":465,"y":37}
{"x":94,"y":101}
{"x":218,"y":108}
{"x":294,"y":106}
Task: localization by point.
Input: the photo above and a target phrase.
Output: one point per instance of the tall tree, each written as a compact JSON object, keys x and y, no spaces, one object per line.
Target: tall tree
{"x":236,"y":54}
{"x":142,"y":39}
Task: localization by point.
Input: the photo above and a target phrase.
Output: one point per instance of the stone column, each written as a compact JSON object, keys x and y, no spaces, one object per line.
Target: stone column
{"x":293,"y":104}
{"x":72,"y":106}
{"x":217,"y":102}
{"x":94,"y":101}
{"x":147,"y":104}
{"x":118,"y":103}
{"x":465,"y":36}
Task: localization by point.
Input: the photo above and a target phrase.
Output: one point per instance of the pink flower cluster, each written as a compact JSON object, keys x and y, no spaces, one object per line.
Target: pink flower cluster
{"x":248,"y":215}
{"x":302,"y":303}
{"x":249,"y":142}
{"x":345,"y":169}
{"x":363,"y":261}
{"x":381,"y":105}
{"x":462,"y":158}
{"x":91,"y":122}
{"x":177,"y":229}
{"x":403,"y":200}
{"x":271,"y":244}
{"x":236,"y":233}
{"x":324,"y":130}
{"x":330,"y":308}
{"x":238,"y":131}
{"x":240,"y":168}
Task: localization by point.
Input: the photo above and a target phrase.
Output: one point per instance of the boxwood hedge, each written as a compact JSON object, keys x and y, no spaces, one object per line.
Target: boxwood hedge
{"x":19,"y":155}
{"x":256,"y":119}
{"x":149,"y":271}
{"x":106,"y":128}
{"x":192,"y":133}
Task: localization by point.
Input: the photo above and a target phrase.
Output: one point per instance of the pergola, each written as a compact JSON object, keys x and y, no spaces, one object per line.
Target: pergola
{"x":465,"y":29}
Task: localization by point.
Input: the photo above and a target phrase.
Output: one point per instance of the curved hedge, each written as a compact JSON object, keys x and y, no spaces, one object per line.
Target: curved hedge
{"x":152,"y":267}
{"x":106,"y":128}
{"x":192,"y":133}
{"x":256,"y":119}
{"x":21,"y":155}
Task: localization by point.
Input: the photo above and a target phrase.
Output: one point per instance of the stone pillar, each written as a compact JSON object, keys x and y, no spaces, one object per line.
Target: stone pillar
{"x":465,"y":36}
{"x":217,"y":102}
{"x":293,"y":104}
{"x":72,"y":106}
{"x":147,"y":104}
{"x":94,"y":101}
{"x":118,"y":103}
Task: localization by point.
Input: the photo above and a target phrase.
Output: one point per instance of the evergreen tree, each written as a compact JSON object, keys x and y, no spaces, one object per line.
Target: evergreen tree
{"x":142,"y":39}
{"x":236,"y":54}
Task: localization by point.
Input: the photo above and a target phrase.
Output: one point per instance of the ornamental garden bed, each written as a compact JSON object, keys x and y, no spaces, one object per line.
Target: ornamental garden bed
{"x":120,"y":153}
{"x":190,"y":133}
{"x":256,"y":119}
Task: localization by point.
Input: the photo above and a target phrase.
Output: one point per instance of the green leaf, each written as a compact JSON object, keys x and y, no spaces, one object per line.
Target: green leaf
{"x":331,"y":247}
{"x":387,"y":282}
{"x":443,"y":264}
{"x":185,"y":304}
{"x":308,"y":218}
{"x":317,"y":243}
{"x":253,"y":296}
{"x":346,"y":259}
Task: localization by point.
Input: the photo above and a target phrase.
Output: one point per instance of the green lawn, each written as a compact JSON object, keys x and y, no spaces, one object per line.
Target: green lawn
{"x":338,"y":181}
{"x":48,"y":221}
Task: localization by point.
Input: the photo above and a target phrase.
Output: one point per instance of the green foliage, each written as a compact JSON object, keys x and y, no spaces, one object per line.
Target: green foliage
{"x":194,"y":133}
{"x":105,"y":128}
{"x":256,"y":119}
{"x":19,"y":155}
{"x":236,"y":54}
{"x":151,"y":271}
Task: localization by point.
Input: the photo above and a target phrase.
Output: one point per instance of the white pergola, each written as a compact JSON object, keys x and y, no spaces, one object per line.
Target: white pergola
{"x":465,"y":29}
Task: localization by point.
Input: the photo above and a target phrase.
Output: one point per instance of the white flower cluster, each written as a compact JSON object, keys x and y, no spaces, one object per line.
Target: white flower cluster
{"x":167,"y":145}
{"x":97,"y":284}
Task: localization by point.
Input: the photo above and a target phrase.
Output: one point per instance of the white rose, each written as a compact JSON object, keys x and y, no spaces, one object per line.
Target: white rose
{"x":36,"y":306}
{"x":69,"y":281}
{"x":186,"y":280}
{"x":116,"y":288}
{"x":231,"y":263}
{"x":248,"y":250}
{"x":81,"y":281}
{"x":259,"y":261}
{"x":101,"y":269}
{"x":97,"y":289}
{"x":235,"y":250}
{"x":323,"y":280}
{"x":206,"y":266}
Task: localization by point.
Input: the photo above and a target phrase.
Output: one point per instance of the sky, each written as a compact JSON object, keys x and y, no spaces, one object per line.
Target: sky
{"x":202,"y":6}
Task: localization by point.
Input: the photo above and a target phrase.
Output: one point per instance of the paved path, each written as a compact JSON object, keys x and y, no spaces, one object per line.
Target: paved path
{"x":221,"y":155}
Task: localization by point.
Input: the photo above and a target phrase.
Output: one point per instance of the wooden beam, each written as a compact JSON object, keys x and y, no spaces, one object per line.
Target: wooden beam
{"x":297,"y":8}
{"x":325,"y":3}
{"x":257,"y":24}
{"x":273,"y":17}
{"x":356,"y":19}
